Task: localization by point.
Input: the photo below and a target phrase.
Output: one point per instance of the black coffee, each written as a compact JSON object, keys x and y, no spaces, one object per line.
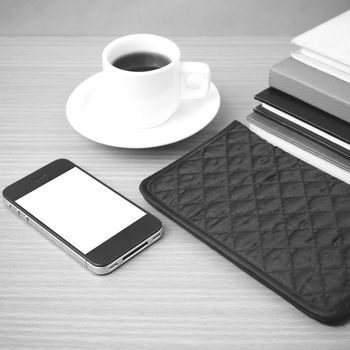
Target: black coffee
{"x":141,"y":61}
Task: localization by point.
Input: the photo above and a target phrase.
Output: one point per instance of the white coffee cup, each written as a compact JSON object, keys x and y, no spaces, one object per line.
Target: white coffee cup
{"x":149,"y":98}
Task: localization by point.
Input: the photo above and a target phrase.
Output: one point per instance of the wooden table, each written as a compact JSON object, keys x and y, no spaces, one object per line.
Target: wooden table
{"x":177,"y":294}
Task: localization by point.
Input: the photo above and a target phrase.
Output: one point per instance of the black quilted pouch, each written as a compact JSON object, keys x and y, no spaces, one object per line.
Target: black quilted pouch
{"x":281,"y":220}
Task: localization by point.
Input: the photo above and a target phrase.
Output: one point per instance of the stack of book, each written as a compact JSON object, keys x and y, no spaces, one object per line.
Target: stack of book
{"x":306,"y":109}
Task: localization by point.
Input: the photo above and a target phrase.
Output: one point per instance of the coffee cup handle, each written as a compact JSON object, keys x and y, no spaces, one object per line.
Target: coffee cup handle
{"x":195,"y":79}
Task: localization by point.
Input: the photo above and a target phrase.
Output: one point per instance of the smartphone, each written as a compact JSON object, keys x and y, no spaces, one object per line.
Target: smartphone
{"x":96,"y":225}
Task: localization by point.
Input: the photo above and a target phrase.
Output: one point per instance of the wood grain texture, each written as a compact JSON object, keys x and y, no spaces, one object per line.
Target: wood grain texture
{"x":177,"y":294}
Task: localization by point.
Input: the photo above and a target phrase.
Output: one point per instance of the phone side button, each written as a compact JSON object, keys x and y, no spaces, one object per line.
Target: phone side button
{"x":7,"y":203}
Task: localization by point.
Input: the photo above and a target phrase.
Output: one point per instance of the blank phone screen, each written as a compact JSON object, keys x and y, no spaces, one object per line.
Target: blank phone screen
{"x":80,"y":209}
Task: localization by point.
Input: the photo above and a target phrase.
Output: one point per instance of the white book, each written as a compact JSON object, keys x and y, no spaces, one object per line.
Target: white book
{"x":330,"y":39}
{"x":327,"y":47}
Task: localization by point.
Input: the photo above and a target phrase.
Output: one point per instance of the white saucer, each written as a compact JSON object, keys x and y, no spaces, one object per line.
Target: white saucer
{"x":87,"y":113}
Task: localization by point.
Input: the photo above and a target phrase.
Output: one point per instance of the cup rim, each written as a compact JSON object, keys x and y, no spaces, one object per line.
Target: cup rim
{"x":108,"y":47}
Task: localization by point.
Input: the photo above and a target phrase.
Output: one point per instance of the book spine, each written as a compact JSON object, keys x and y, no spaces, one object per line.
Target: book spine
{"x":309,"y":94}
{"x":301,"y":142}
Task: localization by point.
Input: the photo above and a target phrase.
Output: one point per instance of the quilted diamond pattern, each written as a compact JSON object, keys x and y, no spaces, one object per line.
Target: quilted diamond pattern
{"x":284,"y":218}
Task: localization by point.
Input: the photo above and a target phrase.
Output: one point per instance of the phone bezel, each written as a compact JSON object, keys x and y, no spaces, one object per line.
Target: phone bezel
{"x":107,"y":252}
